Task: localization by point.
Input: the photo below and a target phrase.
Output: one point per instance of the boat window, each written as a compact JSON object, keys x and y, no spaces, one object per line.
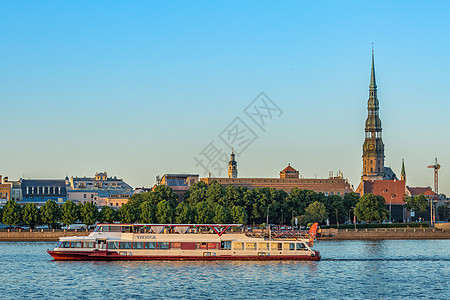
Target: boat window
{"x":163,"y":245}
{"x":138,"y":245}
{"x":201,"y":246}
{"x":291,"y":246}
{"x":250,"y":246}
{"x":65,"y":245}
{"x":274,"y":246}
{"x":127,"y":229}
{"x":263,"y":246}
{"x":77,"y":244}
{"x":150,"y":245}
{"x":238,"y":246}
{"x":59,"y":245}
{"x":113,"y":245}
{"x":280,"y":246}
{"x":188,"y":246}
{"x":225,"y":245}
{"x":175,"y":245}
{"x":212,"y":245}
{"x":125,"y":245}
{"x":300,"y":246}
{"x":88,"y":244}
{"x":113,"y":228}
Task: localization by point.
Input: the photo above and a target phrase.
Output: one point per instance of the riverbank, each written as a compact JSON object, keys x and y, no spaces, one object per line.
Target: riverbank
{"x":385,"y":234}
{"x":325,"y":234}
{"x":38,"y":235}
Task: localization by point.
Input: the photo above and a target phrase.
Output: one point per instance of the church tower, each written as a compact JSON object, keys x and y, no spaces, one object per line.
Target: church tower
{"x":403,"y":175}
{"x":232,"y":166}
{"x":373,"y":148}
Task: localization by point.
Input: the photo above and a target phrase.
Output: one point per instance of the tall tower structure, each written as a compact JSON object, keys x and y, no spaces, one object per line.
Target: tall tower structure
{"x":232,"y":166}
{"x":373,"y":147}
{"x":403,"y":175}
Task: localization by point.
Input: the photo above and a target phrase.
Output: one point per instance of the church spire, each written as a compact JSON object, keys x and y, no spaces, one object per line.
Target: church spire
{"x":403,"y":175}
{"x":232,"y":166}
{"x":373,"y":82}
{"x":373,"y":148}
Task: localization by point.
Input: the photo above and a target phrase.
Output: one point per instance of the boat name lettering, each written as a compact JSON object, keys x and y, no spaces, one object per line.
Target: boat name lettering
{"x":142,"y":237}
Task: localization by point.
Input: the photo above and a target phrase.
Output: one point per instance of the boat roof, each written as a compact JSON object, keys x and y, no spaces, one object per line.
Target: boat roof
{"x":170,"y":225}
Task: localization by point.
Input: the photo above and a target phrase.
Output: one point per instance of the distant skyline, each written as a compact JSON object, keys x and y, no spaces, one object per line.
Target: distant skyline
{"x":139,"y":89}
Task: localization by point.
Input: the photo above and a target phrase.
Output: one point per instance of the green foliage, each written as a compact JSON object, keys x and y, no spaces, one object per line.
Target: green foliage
{"x":89,"y":213}
{"x":50,"y":213}
{"x":147,"y":213}
{"x":196,"y":193}
{"x":30,"y":214}
{"x":371,"y":208}
{"x":69,"y":212}
{"x":418,"y":203}
{"x":204,"y":213}
{"x":128,"y":213}
{"x":221,"y":215}
{"x":108,"y":215}
{"x":315,"y":212}
{"x":164,"y":212}
{"x":238,"y":214}
{"x":184,"y":214}
{"x":11,"y":213}
{"x":443,"y":212}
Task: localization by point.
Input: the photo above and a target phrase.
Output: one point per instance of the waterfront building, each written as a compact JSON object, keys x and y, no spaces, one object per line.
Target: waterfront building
{"x":38,"y":191}
{"x":96,"y":189}
{"x":289,"y":179}
{"x":179,"y":183}
{"x":114,"y":201}
{"x":5,"y":190}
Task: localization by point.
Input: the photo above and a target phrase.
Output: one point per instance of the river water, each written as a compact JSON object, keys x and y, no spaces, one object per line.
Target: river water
{"x":394,"y":269}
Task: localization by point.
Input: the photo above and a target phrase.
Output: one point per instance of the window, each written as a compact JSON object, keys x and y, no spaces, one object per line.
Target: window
{"x":292,"y":246}
{"x":65,"y":245}
{"x":300,"y":246}
{"x":138,"y":245}
{"x":175,"y":245}
{"x":225,"y":245}
{"x":238,"y":246}
{"x":88,"y":244}
{"x":125,"y":245}
{"x":84,"y":196}
{"x":163,"y":245}
{"x":250,"y":246}
{"x":77,"y":244}
{"x":150,"y":245}
{"x":263,"y":246}
{"x":113,"y":245}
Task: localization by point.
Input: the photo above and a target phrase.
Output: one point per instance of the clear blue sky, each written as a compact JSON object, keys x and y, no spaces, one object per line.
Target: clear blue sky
{"x":139,"y":88}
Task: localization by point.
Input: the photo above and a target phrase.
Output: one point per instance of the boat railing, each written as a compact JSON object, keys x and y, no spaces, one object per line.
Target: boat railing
{"x":280,"y":235}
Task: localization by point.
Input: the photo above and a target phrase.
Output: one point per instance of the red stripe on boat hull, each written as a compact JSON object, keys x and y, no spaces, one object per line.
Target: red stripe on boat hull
{"x":110,"y":255}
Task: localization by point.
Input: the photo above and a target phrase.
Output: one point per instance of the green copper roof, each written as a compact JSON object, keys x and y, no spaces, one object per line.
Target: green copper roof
{"x":403,"y":169}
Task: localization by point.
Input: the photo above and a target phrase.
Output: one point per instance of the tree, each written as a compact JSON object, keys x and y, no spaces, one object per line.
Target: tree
{"x":184,"y":214}
{"x":204,"y":213}
{"x":417,"y":203}
{"x":221,"y":215}
{"x":164,"y":212}
{"x":147,"y":213}
{"x":11,"y":213}
{"x":238,"y":214}
{"x":443,"y":212}
{"x":69,"y":212}
{"x":371,"y":208}
{"x":89,"y":213}
{"x":50,"y":213}
{"x":108,"y":214}
{"x":215,"y":194}
{"x":30,"y":214}
{"x":315,"y":212}
{"x":127,"y":214}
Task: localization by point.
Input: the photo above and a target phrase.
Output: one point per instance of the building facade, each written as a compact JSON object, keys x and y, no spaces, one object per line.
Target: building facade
{"x":179,"y":183}
{"x":97,"y":189}
{"x":289,"y":179}
{"x":38,"y":191}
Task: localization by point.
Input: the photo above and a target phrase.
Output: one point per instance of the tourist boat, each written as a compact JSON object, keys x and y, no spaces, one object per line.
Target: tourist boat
{"x":185,"y":242}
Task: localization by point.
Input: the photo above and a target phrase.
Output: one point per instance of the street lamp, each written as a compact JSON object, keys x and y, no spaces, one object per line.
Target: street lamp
{"x":349,"y":218}
{"x":281,"y":217}
{"x":337,"y":220}
{"x":390,"y":210}
{"x":292,"y":218}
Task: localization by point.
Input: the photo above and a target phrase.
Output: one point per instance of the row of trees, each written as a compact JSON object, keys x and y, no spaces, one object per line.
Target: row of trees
{"x":51,"y":213}
{"x":212,"y":204}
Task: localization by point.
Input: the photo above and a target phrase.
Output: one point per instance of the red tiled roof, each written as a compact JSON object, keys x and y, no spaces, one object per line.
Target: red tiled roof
{"x":421,"y":190}
{"x":393,"y":191}
{"x":289,"y":169}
